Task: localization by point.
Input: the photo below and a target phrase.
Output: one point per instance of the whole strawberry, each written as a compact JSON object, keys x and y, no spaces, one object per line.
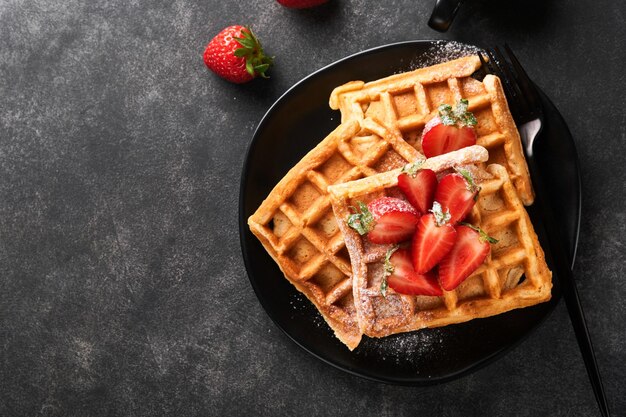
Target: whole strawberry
{"x":301,"y":4}
{"x":236,"y":55}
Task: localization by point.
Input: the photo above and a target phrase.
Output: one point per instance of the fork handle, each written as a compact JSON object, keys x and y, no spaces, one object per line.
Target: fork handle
{"x":562,"y":267}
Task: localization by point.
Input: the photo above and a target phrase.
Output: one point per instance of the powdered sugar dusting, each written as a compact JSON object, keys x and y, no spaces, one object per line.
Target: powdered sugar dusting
{"x":405,"y":348}
{"x":303,"y":309}
{"x":443,"y":51}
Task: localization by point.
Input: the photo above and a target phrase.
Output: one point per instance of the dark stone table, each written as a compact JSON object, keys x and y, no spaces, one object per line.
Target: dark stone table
{"x":122,"y":286}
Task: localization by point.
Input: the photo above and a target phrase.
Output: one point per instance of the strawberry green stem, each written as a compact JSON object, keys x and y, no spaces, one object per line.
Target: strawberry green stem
{"x":257,"y":63}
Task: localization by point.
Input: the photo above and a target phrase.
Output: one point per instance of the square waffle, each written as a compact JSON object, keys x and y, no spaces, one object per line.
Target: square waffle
{"x":495,"y":287}
{"x":296,"y":225}
{"x":405,"y":102}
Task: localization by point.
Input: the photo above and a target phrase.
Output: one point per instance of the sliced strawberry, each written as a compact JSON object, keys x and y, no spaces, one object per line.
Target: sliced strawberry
{"x":469,"y":251}
{"x":385,"y":220}
{"x":384,"y":205}
{"x":439,"y":138}
{"x":395,"y":220}
{"x":432,"y":241}
{"x":405,"y":280}
{"x":453,"y":129}
{"x":393,"y":227}
{"x":457,"y":194}
{"x":419,"y":189}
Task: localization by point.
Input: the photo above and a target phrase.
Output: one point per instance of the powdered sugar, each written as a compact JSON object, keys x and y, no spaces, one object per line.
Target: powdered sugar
{"x":442,"y":51}
{"x":404,"y":349}
{"x":303,"y":310}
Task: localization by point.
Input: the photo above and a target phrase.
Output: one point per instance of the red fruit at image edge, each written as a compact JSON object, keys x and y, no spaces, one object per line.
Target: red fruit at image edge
{"x":405,"y":280}
{"x":301,"y":4}
{"x":236,"y":55}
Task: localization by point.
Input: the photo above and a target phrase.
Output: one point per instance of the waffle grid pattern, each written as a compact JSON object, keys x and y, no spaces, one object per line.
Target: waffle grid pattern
{"x":404,"y":103}
{"x":495,"y":287}
{"x":297,"y":226}
{"x":382,"y":123}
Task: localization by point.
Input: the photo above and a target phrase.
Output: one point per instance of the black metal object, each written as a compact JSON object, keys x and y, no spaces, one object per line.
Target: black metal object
{"x":527,"y":109}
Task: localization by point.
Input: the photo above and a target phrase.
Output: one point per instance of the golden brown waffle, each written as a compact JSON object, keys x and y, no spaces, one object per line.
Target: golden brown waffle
{"x":495,"y":287}
{"x":405,"y":102}
{"x":297,"y":227}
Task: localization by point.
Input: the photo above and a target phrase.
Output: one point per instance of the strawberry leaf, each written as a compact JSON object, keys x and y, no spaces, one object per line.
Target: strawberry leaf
{"x":260,"y":70}
{"x":411,"y":169}
{"x":241,"y":52}
{"x":458,"y":116}
{"x":447,"y":115}
{"x":441,"y":217}
{"x":388,"y":270}
{"x":465,"y":117}
{"x":246,"y":40}
{"x":250,"y":68}
{"x":461,"y":107}
{"x":483,"y":236}
{"x":257,"y":63}
{"x":362,"y":221}
{"x":471,"y":185}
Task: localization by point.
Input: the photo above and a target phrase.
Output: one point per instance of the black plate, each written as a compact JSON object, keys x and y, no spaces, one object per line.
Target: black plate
{"x":292,"y":127}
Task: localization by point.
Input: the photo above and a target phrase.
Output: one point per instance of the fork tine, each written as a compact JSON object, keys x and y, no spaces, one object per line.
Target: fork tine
{"x":508,"y":83}
{"x":485,"y":63}
{"x":488,"y":68}
{"x":511,"y":80}
{"x":525,"y":84}
{"x":485,"y":69}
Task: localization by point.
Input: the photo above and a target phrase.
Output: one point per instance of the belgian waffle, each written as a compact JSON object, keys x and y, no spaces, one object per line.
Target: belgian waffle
{"x":405,"y":102}
{"x":296,"y":225}
{"x":495,"y":287}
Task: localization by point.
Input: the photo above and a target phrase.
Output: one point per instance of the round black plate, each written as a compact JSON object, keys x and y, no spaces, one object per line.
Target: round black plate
{"x":292,"y":127}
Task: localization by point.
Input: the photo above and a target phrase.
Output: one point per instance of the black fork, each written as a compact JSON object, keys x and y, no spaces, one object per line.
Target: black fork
{"x":526,"y":107}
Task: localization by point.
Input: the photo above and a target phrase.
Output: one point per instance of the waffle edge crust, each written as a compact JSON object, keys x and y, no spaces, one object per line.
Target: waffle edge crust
{"x":297,"y":227}
{"x":380,"y":130}
{"x":494,"y":288}
{"x":405,"y":102}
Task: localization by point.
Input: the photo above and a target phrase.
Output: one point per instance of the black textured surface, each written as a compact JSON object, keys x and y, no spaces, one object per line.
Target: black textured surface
{"x":122,"y":288}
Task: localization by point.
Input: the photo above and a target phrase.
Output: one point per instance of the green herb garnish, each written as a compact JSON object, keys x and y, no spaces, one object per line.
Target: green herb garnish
{"x":388,"y":270}
{"x":362,"y":221}
{"x":457,"y":116}
{"x":471,"y":185}
{"x":441,"y":217}
{"x":483,"y":236}
{"x":412,"y":169}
